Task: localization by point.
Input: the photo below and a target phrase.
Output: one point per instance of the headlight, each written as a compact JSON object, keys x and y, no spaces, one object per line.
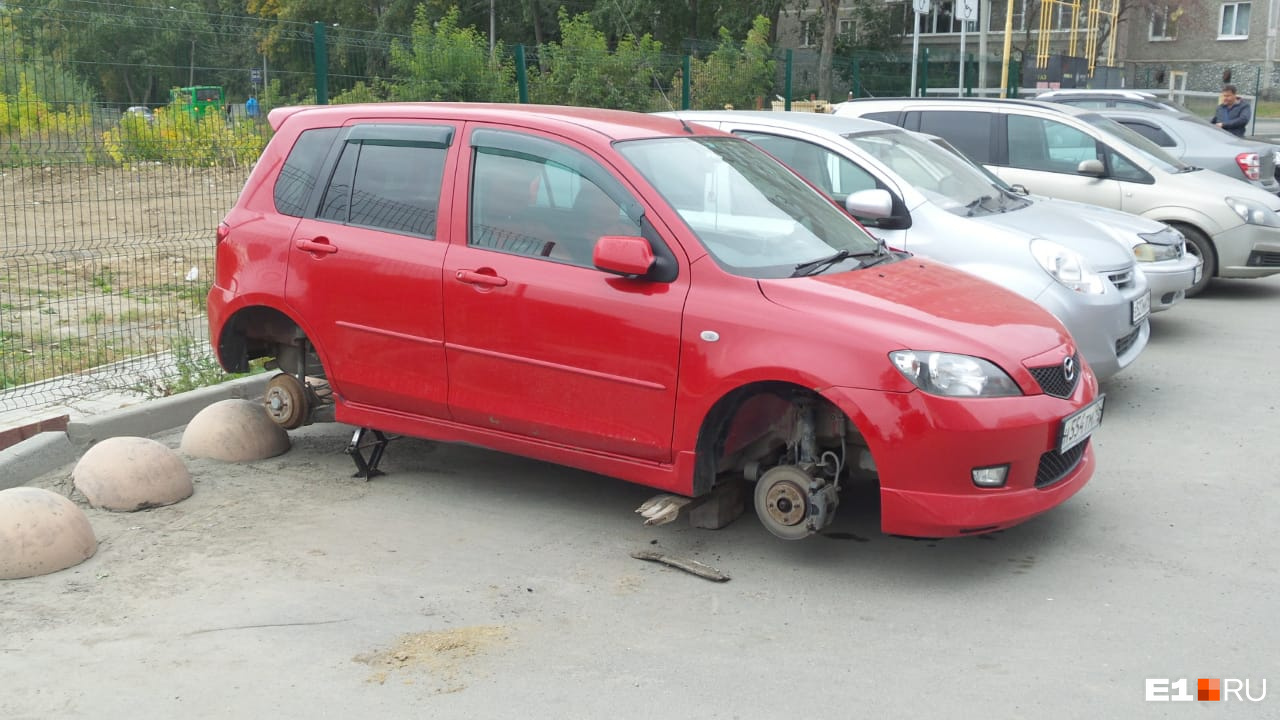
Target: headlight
{"x":953,"y":375}
{"x":1254,"y":212}
{"x":1166,"y":244}
{"x":1067,"y":267}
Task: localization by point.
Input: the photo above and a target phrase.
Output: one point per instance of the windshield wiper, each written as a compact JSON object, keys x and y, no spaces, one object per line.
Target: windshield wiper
{"x":871,"y":258}
{"x":813,"y":267}
{"x":977,"y":204}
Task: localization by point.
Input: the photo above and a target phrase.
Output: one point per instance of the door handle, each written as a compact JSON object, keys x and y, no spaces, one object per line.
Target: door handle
{"x":319,"y":245}
{"x":471,"y":277}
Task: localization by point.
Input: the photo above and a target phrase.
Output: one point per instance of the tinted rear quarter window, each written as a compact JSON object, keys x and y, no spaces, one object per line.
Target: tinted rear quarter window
{"x":969,"y":131}
{"x":1150,"y":132}
{"x":298,"y":176}
{"x":884,"y":117}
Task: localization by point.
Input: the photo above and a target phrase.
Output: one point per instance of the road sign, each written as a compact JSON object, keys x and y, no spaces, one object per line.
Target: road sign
{"x":921,"y":6}
{"x":255,"y":76}
{"x":968,"y":9}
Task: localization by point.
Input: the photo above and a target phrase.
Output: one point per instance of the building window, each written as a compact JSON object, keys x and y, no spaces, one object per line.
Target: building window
{"x":806,"y":33}
{"x":998,"y":13}
{"x":1164,"y":23}
{"x":1235,"y":21}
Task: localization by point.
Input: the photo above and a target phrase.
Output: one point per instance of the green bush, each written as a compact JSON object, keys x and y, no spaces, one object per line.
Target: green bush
{"x":582,"y":71}
{"x":179,"y":137}
{"x":445,"y":62}
{"x":731,"y":75}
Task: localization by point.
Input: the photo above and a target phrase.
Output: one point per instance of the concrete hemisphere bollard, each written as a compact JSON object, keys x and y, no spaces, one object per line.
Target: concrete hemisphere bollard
{"x":131,"y":473}
{"x":41,"y":532}
{"x":234,"y":431}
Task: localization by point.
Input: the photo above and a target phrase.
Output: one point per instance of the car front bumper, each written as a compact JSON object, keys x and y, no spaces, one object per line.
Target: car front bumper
{"x":1248,"y":251}
{"x":926,"y":447}
{"x":1170,"y":279}
{"x":1102,"y":325}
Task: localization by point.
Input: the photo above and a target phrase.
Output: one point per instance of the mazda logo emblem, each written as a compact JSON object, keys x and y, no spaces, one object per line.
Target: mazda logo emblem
{"x":1069,"y":369}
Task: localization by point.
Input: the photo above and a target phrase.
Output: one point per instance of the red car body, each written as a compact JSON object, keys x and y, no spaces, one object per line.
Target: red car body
{"x":666,"y":384}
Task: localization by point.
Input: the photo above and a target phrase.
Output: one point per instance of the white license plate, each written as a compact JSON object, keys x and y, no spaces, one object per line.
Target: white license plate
{"x":1199,"y":273}
{"x":1141,"y":308}
{"x":1079,"y":425}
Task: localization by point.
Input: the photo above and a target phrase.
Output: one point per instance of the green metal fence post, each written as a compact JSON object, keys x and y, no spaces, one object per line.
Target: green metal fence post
{"x":855,"y":75}
{"x":970,"y":70}
{"x":522,"y":75}
{"x":686,"y":69}
{"x":321,"y":49}
{"x":924,"y":72}
{"x":786,"y":103}
{"x":1015,"y":78}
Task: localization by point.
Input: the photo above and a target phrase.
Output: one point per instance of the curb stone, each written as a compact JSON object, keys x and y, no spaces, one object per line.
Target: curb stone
{"x":48,"y":451}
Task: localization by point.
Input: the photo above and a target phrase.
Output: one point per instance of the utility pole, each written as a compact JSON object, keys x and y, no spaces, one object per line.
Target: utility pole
{"x":493,"y":24}
{"x":1269,"y":57}
{"x":984,"y":22}
{"x":191,"y":74}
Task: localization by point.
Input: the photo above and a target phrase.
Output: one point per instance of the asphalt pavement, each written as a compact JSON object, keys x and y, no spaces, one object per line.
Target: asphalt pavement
{"x":471,"y":584}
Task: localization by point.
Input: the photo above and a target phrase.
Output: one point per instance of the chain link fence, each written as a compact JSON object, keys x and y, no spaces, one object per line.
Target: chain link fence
{"x":126,"y":136}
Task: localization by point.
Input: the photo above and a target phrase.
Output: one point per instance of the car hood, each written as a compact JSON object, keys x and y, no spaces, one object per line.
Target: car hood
{"x":918,"y":304}
{"x":1124,"y":227}
{"x":1061,"y":224}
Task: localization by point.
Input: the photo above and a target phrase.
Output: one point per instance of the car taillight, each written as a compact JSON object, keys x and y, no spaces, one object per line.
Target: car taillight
{"x":1250,"y":165}
{"x":223,"y":231}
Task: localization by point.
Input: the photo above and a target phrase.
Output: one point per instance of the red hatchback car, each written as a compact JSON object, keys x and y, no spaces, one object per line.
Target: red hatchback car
{"x":645,"y":299}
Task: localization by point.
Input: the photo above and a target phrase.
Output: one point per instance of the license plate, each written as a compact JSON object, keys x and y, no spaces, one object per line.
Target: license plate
{"x":1141,"y":308}
{"x":1198,"y":274}
{"x":1079,"y":425}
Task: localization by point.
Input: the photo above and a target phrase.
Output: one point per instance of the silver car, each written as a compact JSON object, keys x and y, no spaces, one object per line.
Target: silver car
{"x":1197,"y":143}
{"x":1159,"y":249}
{"x":1073,"y":154}
{"x":919,"y":197}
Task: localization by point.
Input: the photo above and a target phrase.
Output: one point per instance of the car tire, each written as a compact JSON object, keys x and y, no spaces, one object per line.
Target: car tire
{"x":1202,"y":247}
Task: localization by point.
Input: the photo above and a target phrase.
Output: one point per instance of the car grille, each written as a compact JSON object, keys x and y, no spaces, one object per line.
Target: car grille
{"x":1053,"y":381}
{"x":1055,"y":465}
{"x":1126,"y":342}
{"x":1121,"y":278}
{"x":1263,"y":259}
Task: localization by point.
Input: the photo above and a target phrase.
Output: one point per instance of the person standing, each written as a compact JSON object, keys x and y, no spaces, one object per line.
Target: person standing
{"x":1233,"y":114}
{"x":251,"y":107}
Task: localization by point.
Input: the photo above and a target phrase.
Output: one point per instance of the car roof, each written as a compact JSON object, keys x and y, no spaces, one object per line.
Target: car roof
{"x":995,"y":103}
{"x":1099,"y":92}
{"x":612,"y":124}
{"x":838,"y":124}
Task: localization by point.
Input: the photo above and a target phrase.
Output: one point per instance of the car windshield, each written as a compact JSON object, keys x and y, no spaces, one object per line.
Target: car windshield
{"x":1152,"y":152}
{"x":754,"y":217}
{"x":948,"y":181}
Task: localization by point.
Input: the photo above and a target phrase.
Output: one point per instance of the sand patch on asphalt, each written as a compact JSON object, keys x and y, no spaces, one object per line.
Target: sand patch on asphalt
{"x":444,"y":655}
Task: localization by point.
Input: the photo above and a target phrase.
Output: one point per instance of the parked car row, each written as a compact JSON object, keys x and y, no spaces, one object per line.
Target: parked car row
{"x":665,"y":302}
{"x":1074,"y":154}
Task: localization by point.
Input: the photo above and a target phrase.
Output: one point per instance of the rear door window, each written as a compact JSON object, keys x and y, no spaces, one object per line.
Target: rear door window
{"x":389,"y":179}
{"x":969,"y":131}
{"x":1047,"y":145}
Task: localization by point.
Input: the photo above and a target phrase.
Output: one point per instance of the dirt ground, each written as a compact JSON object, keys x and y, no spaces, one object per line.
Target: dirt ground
{"x":98,"y":264}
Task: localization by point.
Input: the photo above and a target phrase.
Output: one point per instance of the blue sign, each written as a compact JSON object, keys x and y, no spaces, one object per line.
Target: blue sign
{"x":255,"y":76}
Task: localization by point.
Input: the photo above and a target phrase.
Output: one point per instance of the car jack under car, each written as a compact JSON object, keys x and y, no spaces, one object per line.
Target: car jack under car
{"x":367,"y":468}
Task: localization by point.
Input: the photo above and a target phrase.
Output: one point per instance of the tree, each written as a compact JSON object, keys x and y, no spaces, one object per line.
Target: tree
{"x":734,"y":76}
{"x":582,"y":70}
{"x":443,"y":61}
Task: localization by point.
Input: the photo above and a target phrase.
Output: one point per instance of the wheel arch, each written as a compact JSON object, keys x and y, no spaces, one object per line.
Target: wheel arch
{"x":253,"y":330}
{"x":724,"y":417}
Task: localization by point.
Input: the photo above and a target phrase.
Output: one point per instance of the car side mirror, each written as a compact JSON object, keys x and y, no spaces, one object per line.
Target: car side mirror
{"x":1021,"y":189}
{"x":1093,"y":168}
{"x":623,"y":255}
{"x":871,"y":204}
